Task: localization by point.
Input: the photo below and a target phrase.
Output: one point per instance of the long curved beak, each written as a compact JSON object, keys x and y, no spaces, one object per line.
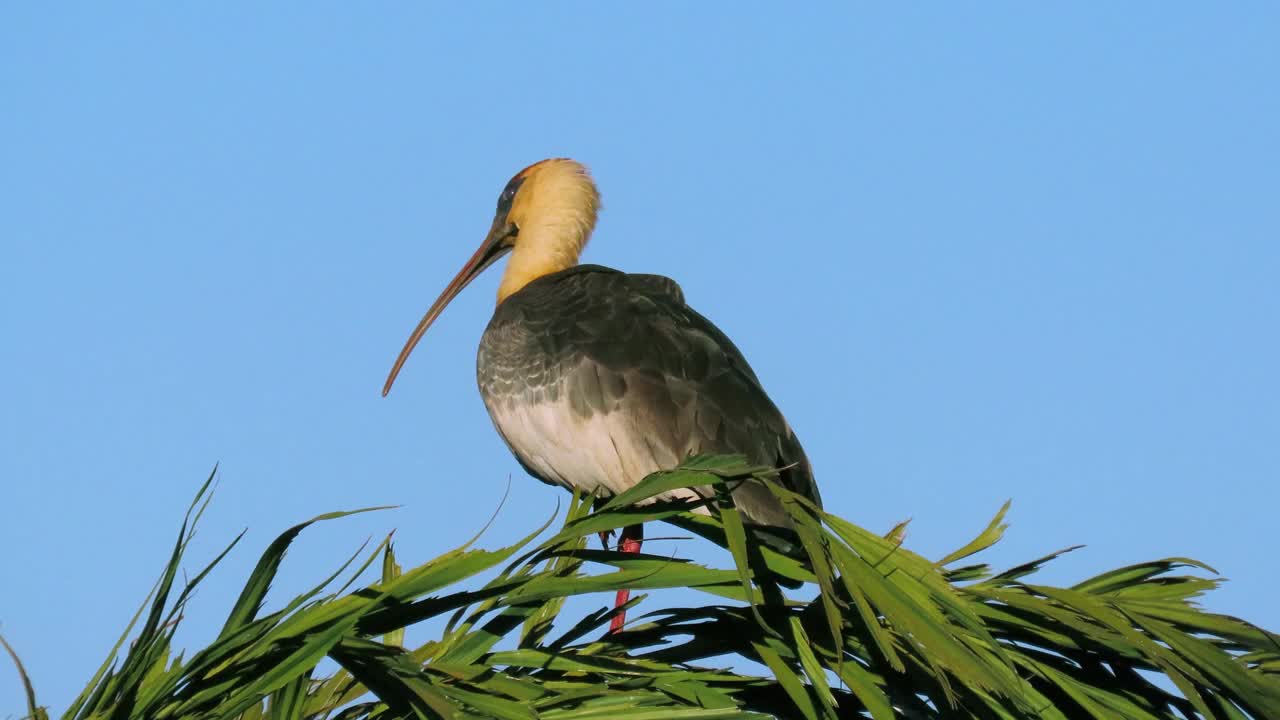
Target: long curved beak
{"x":495,"y":245}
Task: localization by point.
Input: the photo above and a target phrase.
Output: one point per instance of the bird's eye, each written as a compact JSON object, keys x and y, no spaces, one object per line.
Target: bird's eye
{"x":509,"y":192}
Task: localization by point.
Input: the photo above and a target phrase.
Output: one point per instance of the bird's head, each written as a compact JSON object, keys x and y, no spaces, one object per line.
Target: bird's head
{"x":545,"y":216}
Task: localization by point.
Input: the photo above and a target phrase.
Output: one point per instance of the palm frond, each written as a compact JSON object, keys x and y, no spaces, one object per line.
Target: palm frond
{"x":847,"y":622}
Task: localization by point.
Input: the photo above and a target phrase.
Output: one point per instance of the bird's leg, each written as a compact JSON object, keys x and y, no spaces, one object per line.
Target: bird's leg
{"x":628,"y":542}
{"x":604,"y":535}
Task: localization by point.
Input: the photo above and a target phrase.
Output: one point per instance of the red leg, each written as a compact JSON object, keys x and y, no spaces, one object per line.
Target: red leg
{"x":628,"y":542}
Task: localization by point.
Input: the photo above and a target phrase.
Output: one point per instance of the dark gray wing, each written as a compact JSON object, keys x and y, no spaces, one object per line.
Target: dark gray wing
{"x":618,"y":342}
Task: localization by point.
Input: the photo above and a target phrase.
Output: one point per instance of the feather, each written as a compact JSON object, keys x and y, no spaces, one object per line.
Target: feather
{"x":596,"y":378}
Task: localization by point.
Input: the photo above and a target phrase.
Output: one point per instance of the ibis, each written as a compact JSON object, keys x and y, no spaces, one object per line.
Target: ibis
{"x":596,"y":378}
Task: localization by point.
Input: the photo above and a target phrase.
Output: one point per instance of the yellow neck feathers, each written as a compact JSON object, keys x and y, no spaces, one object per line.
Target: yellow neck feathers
{"x":555,"y":211}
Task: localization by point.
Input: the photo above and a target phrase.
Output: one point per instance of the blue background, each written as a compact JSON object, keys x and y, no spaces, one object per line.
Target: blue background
{"x":974,"y":253}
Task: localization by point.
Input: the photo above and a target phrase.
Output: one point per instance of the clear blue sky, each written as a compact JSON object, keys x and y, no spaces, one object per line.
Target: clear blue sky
{"x":974,"y":254}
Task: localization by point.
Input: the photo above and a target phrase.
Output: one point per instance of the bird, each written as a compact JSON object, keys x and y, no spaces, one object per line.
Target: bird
{"x":596,"y":378}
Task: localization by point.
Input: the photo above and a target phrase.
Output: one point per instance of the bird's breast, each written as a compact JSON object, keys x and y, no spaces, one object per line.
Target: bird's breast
{"x":567,"y":424}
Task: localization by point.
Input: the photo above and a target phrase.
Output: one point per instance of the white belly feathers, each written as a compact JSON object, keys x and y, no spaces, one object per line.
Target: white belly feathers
{"x":603,"y":454}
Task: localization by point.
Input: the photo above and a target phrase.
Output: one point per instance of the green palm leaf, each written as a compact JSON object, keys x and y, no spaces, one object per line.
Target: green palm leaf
{"x":842,"y":621}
